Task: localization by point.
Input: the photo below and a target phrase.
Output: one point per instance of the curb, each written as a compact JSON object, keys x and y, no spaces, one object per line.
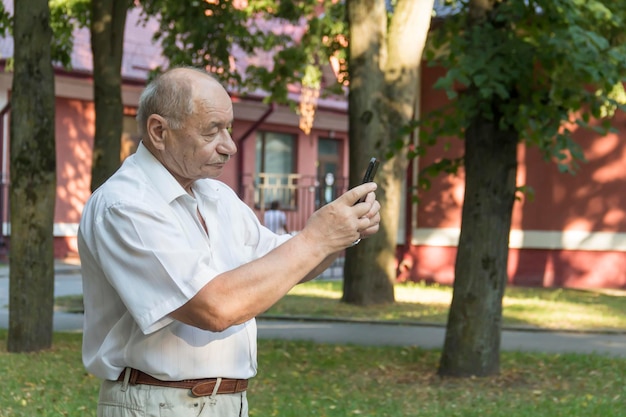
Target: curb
{"x":518,"y":328}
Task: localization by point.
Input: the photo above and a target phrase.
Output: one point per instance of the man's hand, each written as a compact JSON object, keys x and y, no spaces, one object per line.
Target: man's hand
{"x":373,"y":215}
{"x":340,"y":223}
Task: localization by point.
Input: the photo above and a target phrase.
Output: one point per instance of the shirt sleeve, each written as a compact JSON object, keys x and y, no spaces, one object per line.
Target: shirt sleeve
{"x":150,"y":261}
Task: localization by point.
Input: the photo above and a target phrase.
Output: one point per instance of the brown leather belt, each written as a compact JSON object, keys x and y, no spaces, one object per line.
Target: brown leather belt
{"x":199,"y":387}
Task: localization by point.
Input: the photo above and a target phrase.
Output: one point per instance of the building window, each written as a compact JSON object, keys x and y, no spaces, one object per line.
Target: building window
{"x":275,"y":167}
{"x":328,"y":171}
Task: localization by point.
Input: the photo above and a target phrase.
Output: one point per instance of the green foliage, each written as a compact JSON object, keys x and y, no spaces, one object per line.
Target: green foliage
{"x":525,"y":190}
{"x":322,"y":40}
{"x":532,"y":67}
{"x":443,"y":165}
{"x":65,"y":16}
{"x":214,"y":34}
{"x":6,"y":20}
{"x":6,"y":26}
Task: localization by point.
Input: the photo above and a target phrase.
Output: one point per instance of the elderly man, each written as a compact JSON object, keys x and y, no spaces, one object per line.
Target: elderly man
{"x":176,"y":267}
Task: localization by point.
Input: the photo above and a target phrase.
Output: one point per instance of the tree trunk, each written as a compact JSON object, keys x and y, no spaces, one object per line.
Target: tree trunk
{"x":366,"y":271}
{"x":108,"y":19}
{"x":384,"y":75}
{"x":33,"y":181}
{"x":472,"y":343}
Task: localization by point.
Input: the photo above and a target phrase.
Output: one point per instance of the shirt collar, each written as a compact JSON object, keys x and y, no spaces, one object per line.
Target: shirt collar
{"x":163,"y":181}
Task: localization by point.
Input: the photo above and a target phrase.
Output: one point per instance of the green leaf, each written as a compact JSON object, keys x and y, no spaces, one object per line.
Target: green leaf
{"x":534,"y":67}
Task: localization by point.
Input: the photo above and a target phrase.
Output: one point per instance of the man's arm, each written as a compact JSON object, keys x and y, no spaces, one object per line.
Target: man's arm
{"x":244,"y":292}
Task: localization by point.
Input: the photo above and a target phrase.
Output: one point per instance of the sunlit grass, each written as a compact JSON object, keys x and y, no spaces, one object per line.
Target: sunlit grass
{"x":551,"y":308}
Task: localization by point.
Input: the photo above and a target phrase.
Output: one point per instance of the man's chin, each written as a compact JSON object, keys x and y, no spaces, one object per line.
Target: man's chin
{"x":215,"y":171}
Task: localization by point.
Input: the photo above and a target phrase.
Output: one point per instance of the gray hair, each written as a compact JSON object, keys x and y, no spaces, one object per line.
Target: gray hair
{"x":169,"y":96}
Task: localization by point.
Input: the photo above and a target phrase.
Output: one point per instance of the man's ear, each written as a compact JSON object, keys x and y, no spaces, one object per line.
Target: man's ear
{"x":156,"y":128}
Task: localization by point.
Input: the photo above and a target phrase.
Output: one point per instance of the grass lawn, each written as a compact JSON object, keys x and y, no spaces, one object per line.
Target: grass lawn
{"x":304,"y":379}
{"x":551,"y":308}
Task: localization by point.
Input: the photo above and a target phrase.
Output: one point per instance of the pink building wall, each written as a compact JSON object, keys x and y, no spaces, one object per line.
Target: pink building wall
{"x":572,"y":233}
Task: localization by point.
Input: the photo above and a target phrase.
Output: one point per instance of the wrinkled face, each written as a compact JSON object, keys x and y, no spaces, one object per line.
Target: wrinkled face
{"x":203,"y":145}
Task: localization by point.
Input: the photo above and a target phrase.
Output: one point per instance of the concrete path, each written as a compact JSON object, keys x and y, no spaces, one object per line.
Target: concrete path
{"x":68,"y":282}
{"x":432,"y":337}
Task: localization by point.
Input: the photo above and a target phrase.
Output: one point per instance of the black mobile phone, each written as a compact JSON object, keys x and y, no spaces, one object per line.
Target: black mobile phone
{"x":369,"y":173}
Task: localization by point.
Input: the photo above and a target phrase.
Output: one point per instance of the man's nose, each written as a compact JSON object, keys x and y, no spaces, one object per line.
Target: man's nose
{"x":227,"y":144}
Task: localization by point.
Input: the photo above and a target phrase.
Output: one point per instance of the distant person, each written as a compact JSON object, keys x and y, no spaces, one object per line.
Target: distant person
{"x":275,"y":219}
{"x":176,"y":267}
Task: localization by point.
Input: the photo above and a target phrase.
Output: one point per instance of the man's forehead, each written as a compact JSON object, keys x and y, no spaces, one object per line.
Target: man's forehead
{"x":214,"y":104}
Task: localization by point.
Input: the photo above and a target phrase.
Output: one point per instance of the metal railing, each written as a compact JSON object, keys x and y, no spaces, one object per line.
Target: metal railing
{"x":299,"y":195}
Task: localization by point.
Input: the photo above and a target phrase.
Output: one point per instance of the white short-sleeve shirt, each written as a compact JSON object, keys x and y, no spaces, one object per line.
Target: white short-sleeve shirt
{"x":144,"y":254}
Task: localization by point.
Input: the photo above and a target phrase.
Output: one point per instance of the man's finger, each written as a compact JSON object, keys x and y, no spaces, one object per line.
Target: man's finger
{"x":353,"y":195}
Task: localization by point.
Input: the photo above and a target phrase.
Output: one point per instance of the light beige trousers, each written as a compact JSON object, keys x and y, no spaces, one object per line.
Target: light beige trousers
{"x":124,"y":400}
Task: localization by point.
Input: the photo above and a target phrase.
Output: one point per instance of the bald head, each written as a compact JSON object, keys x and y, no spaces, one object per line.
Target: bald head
{"x":172,"y":95}
{"x":185,"y":117}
